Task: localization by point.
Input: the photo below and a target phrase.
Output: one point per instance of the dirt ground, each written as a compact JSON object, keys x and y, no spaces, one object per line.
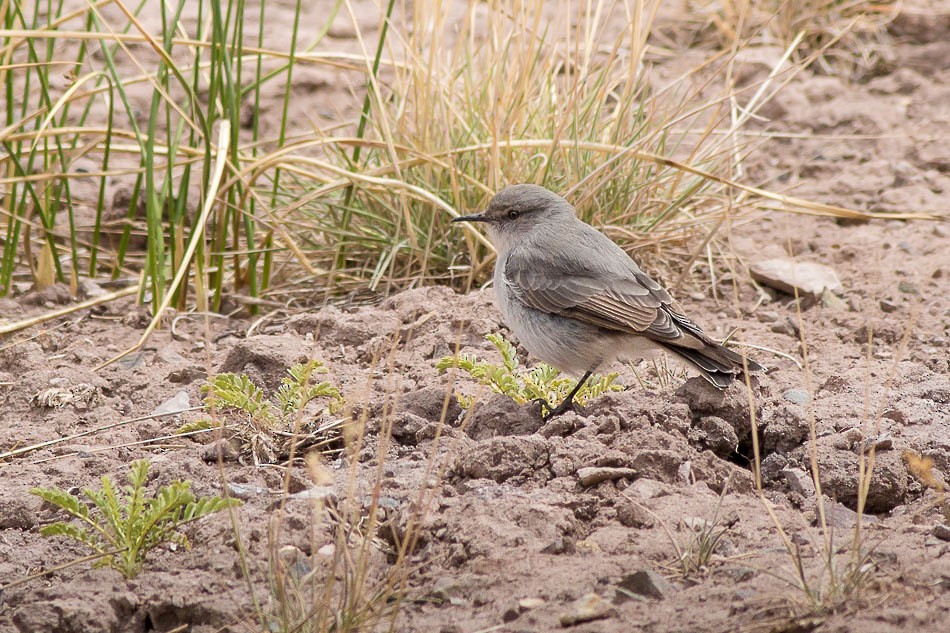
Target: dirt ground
{"x":512,"y":539}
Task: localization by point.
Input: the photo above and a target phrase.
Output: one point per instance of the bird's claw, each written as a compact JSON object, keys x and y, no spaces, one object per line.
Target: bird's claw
{"x":546,"y":408}
{"x":549,"y":411}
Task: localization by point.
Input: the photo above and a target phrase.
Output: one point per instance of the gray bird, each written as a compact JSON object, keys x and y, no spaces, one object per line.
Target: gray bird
{"x":577,"y":301}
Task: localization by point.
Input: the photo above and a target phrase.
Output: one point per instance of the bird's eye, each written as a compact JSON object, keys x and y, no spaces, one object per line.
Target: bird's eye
{"x":513,"y":214}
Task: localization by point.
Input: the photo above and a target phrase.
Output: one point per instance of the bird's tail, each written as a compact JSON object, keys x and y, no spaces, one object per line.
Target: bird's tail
{"x":717,"y":364}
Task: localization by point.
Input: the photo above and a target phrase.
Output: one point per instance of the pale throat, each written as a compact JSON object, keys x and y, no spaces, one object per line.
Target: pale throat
{"x":502,"y":240}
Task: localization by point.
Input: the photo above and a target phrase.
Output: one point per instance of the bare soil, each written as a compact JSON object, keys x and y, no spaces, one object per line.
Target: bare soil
{"x":512,"y":540}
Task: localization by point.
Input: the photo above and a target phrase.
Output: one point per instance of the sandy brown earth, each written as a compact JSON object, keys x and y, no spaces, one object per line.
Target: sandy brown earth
{"x":514,"y":536}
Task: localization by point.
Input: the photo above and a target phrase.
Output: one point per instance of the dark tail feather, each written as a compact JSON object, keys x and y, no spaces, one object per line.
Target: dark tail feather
{"x":717,"y":364}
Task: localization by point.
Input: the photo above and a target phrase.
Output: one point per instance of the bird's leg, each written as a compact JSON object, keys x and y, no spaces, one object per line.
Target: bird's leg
{"x":566,"y":404}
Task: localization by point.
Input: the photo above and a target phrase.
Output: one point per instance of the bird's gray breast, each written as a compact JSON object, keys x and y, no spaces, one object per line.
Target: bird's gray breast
{"x":565,"y":343}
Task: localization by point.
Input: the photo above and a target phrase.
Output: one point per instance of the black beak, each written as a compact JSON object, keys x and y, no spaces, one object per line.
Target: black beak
{"x":475,"y":217}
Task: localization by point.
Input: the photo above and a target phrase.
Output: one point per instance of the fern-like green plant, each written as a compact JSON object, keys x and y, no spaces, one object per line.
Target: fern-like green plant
{"x":123,"y":530}
{"x":269,"y":421}
{"x":521,"y":385}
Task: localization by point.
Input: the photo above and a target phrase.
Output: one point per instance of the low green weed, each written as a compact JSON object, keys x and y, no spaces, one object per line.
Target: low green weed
{"x":124,"y":530}
{"x":270,"y":422}
{"x":522,"y":385}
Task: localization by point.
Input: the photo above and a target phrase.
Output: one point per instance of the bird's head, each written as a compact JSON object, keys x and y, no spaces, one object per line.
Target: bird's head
{"x":516,"y":211}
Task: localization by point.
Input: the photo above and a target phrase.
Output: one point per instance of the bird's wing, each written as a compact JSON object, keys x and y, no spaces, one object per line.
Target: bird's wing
{"x":618,"y":297}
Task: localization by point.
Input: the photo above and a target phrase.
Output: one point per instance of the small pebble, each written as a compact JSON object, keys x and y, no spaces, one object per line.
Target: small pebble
{"x":797,"y":396}
{"x":942,"y":531}
{"x":744,"y":594}
{"x":783,"y":327}
{"x":526,"y":604}
{"x":174,"y":405}
{"x":895,"y":415}
{"x":589,"y":608}
{"x":882,"y":442}
{"x":908,"y":288}
{"x":241,"y":491}
{"x":510,"y":614}
{"x":646,"y":583}
{"x":833,"y":302}
{"x":887,"y":306}
{"x":800,"y":481}
{"x":788,"y":275}
{"x":593,"y":475}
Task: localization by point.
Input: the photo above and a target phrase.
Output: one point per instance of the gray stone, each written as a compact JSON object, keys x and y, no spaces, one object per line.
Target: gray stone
{"x":185,"y":375}
{"x":89,"y":289}
{"x":170,"y":356}
{"x":784,"y":327}
{"x":788,"y":275}
{"x":593,"y":475}
{"x":882,"y":442}
{"x":242,"y":491}
{"x":133,"y":360}
{"x":833,"y":302}
{"x":510,"y":613}
{"x":942,"y":531}
{"x":888,"y":306}
{"x":841,"y":517}
{"x":646,"y":583}
{"x":744,"y":595}
{"x":446,"y":588}
{"x":646,"y":488}
{"x":773,"y":466}
{"x":406,"y":427}
{"x":633,"y":515}
{"x":800,"y":481}
{"x":908,"y":288}
{"x":173,"y":406}
{"x":317,"y":493}
{"x":587,"y":609}
{"x":895,"y":415}
{"x":797,"y":396}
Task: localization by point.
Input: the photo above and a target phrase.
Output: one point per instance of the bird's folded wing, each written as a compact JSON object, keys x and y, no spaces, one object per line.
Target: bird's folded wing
{"x":629,"y":302}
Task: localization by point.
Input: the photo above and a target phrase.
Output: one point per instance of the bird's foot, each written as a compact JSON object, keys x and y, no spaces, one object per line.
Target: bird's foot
{"x":549,"y":411}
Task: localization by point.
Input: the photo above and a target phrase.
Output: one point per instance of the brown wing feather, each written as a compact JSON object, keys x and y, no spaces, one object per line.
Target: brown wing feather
{"x":633,"y":303}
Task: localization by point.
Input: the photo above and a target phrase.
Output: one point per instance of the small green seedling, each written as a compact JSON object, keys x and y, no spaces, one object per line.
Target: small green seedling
{"x":270,"y":421}
{"x":522,"y":385}
{"x":124,"y":531}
